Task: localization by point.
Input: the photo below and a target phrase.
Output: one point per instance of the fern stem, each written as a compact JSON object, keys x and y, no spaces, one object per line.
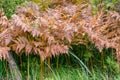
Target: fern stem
{"x":102,"y":59}
{"x":20,"y":62}
{"x":49,"y":65}
{"x":42,"y":69}
{"x":90,"y":59}
{"x":57,"y":62}
{"x":112,"y":54}
{"x":87,"y":49}
{"x":67,"y":59}
{"x":91,"y":64}
{"x":28,"y":78}
{"x":6,"y":69}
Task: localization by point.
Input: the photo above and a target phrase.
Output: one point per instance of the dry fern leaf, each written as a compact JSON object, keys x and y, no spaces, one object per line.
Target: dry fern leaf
{"x":4,"y":52}
{"x":55,"y":29}
{"x":103,"y":30}
{"x":19,"y":44}
{"x":50,"y":30}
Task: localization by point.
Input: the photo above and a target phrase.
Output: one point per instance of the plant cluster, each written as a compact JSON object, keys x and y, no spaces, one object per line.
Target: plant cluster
{"x":51,"y":32}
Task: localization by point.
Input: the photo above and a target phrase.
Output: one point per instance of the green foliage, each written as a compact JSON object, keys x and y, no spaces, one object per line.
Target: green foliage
{"x":112,"y":66}
{"x":69,"y":73}
{"x":80,"y":62}
{"x":3,"y":69}
{"x":91,"y":56}
{"x":79,"y":1}
{"x":43,"y":4}
{"x":9,"y":6}
{"x":103,"y":4}
{"x":64,"y":72}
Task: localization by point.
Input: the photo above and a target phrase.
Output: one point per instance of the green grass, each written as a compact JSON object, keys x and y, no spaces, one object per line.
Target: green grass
{"x":69,"y":73}
{"x":78,"y":68}
{"x":9,"y":6}
{"x":64,"y":72}
{"x":4,"y":71}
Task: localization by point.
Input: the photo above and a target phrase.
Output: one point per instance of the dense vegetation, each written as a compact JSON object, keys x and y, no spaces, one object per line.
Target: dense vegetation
{"x":60,"y":39}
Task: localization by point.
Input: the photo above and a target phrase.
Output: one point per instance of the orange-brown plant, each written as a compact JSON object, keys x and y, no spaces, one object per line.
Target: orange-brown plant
{"x":50,"y":32}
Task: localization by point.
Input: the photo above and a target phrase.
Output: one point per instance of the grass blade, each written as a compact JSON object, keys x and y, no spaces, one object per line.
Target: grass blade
{"x":80,"y":61}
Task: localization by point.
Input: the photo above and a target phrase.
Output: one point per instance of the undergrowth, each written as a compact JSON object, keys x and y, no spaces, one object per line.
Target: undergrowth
{"x":64,"y":72}
{"x":100,"y":70}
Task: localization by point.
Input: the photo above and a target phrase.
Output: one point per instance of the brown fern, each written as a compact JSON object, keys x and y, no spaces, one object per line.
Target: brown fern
{"x":51,"y":32}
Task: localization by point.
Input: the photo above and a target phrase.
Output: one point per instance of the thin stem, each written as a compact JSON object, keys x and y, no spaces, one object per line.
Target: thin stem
{"x":48,"y":65}
{"x":57,"y":62}
{"x":102,"y":59}
{"x":6,"y":70}
{"x":28,"y":72}
{"x":20,"y":62}
{"x":67,"y":59}
{"x":42,"y":69}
